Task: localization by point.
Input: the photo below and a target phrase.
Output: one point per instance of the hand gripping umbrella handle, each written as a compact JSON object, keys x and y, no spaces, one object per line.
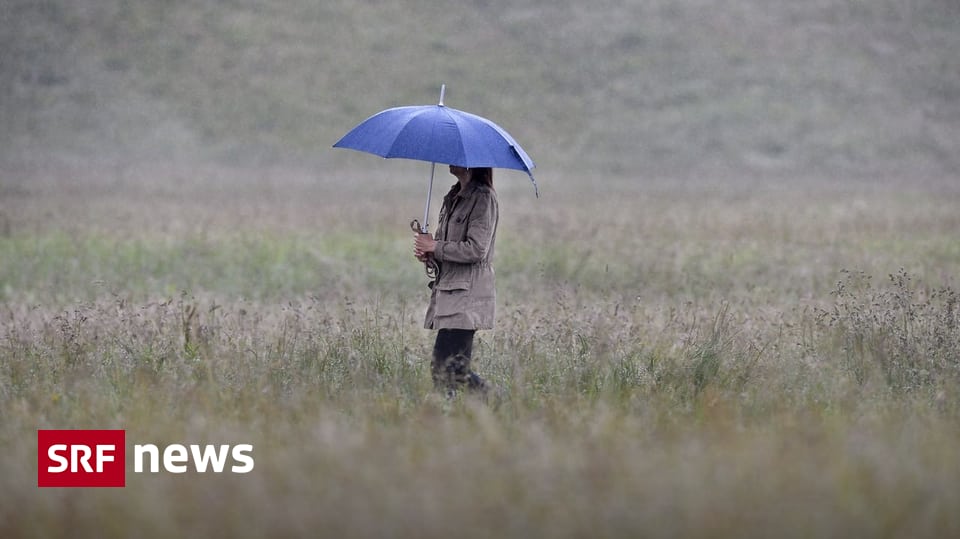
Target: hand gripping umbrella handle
{"x":429,"y":265}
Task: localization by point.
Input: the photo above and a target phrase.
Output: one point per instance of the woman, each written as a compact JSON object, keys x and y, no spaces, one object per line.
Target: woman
{"x":463,"y":295}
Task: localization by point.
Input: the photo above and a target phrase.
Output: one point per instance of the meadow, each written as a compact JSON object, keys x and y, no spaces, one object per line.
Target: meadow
{"x":733,"y":311}
{"x":673,"y":357}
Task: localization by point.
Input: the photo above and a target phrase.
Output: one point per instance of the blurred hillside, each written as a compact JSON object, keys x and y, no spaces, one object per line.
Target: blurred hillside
{"x":615,"y":86}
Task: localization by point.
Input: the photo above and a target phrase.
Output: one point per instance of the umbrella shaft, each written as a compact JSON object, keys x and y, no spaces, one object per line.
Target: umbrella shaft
{"x":426,"y":210}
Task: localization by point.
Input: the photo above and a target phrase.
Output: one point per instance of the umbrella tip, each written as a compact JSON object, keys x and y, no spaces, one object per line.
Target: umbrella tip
{"x":443,"y":90}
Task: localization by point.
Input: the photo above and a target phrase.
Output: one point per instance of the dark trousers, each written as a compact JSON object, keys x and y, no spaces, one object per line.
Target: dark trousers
{"x":450,"y":369}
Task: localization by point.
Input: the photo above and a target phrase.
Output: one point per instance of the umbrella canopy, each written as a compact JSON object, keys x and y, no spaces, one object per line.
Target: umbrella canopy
{"x":438,"y":134}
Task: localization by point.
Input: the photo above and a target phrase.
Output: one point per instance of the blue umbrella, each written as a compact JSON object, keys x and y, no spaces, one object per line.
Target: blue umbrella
{"x":438,"y":134}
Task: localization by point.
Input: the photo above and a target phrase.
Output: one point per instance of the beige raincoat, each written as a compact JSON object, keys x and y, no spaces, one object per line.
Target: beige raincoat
{"x":464,"y":294}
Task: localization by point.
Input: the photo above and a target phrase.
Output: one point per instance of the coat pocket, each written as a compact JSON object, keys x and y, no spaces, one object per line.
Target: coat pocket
{"x":452,"y":296}
{"x":450,"y":285}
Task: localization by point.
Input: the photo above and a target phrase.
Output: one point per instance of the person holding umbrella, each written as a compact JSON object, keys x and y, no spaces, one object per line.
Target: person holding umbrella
{"x":463,"y":295}
{"x":460,"y":258}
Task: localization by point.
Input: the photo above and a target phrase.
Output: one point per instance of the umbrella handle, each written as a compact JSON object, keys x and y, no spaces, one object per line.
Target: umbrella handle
{"x":430,"y":265}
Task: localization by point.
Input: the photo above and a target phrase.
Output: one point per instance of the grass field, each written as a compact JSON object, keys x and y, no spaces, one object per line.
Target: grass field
{"x":732,"y":313}
{"x":673,"y":358}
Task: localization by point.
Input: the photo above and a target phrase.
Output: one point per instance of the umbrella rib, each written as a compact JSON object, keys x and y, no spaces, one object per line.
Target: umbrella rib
{"x":477,"y":123}
{"x":461,"y":144}
{"x":468,"y":126}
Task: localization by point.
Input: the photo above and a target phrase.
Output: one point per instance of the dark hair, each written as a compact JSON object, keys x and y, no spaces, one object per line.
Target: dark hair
{"x":483,"y":175}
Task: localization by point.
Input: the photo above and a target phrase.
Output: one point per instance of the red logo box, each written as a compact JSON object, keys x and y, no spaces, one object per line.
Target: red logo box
{"x":81,"y":458}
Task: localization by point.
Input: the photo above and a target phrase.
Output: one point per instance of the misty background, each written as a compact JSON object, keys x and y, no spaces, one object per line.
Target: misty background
{"x":613,"y":88}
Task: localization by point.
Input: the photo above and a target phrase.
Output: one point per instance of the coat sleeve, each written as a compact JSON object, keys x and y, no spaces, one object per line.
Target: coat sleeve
{"x":481,"y":226}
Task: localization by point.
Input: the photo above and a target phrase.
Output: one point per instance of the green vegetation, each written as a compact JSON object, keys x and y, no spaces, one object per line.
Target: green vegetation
{"x":694,"y":366}
{"x":614,"y":86}
{"x":733,"y":312}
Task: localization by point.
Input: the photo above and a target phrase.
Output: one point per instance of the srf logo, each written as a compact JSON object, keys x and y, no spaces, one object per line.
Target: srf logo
{"x":81,"y":458}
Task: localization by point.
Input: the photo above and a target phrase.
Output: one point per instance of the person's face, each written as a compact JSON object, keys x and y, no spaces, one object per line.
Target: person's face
{"x":459,"y":172}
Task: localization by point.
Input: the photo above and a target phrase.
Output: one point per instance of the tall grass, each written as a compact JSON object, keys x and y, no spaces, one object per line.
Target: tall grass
{"x":687,"y":362}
